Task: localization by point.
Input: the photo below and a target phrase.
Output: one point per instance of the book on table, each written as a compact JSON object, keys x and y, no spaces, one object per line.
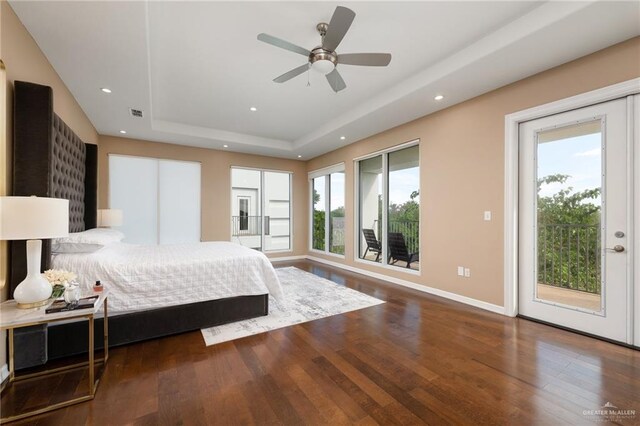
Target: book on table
{"x":62,"y":306}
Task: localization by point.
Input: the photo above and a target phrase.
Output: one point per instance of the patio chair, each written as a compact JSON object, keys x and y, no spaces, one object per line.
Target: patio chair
{"x":373,"y":245}
{"x":398,"y":250}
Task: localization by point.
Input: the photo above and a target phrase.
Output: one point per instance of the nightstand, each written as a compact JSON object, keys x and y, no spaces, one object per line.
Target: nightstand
{"x":12,"y":318}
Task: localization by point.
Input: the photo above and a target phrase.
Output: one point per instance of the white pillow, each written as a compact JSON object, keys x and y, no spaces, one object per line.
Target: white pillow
{"x":102,"y":236}
{"x":58,"y":248}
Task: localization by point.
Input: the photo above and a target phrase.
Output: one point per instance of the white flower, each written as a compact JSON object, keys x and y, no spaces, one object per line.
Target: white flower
{"x":59,"y":276}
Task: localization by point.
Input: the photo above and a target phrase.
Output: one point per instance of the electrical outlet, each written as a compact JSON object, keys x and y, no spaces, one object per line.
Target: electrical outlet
{"x":461,"y":271}
{"x":467,"y":272}
{"x":487,"y":215}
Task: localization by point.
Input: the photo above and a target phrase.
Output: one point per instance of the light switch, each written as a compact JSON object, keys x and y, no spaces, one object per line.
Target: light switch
{"x":461,"y":271}
{"x":467,"y":272}
{"x":487,"y":215}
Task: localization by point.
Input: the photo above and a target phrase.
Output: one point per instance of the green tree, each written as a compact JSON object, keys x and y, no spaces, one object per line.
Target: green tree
{"x":568,"y":236}
{"x":318,"y":223}
{"x":319,"y":216}
{"x":405,"y":219}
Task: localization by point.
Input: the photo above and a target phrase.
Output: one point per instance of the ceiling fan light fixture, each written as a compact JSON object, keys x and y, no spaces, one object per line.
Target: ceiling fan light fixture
{"x":323,"y":66}
{"x":324,"y":59}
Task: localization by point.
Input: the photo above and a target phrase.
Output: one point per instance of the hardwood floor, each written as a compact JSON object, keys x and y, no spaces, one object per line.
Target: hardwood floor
{"x":415,"y":359}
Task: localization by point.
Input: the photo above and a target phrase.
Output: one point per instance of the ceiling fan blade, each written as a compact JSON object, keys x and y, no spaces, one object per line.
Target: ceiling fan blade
{"x":338,"y":27}
{"x":366,"y":59}
{"x":293,"y":73}
{"x":335,"y":81}
{"x":275,"y":41}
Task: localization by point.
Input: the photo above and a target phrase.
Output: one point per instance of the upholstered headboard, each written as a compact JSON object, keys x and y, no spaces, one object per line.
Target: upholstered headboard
{"x":68,"y":171}
{"x":49,"y":160}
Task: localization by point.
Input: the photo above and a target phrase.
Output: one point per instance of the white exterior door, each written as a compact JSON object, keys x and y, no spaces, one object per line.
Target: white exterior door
{"x":575,"y":220}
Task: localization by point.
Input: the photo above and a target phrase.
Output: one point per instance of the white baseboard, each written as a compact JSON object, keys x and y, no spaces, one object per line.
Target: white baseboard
{"x":4,"y":373}
{"x":287,"y":258}
{"x":436,"y":292}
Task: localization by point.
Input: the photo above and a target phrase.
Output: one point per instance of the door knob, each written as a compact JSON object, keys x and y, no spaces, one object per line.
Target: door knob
{"x":617,"y":248}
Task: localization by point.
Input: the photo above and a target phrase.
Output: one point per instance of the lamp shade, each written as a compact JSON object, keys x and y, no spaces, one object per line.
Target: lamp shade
{"x":32,"y":218}
{"x":109,"y":217}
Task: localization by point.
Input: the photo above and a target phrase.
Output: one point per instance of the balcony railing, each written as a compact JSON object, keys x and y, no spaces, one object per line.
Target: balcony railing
{"x":244,"y":226}
{"x":410,"y":229}
{"x":569,"y":256}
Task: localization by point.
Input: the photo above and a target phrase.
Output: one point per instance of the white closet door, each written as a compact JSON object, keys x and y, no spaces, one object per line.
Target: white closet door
{"x":179,"y":202}
{"x":133,"y":188}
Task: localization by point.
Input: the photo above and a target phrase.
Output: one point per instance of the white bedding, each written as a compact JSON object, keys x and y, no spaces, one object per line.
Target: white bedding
{"x":145,"y":277}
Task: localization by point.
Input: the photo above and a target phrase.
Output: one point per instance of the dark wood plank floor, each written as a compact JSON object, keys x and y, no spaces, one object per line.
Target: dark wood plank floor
{"x":416,"y":359}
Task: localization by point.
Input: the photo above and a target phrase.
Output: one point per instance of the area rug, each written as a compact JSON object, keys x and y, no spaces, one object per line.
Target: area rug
{"x":307,"y":297}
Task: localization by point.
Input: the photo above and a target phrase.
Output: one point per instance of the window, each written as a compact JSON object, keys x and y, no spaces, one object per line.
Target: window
{"x":261,"y":209}
{"x":327,"y":219}
{"x":243,"y":207}
{"x":389,"y":207}
{"x":160,"y":199}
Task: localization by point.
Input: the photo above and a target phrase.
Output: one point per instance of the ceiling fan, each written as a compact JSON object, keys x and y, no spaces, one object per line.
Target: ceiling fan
{"x":324,"y":58}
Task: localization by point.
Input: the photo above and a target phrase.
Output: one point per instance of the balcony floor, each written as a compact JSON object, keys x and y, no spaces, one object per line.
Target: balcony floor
{"x":579,"y":299}
{"x":400,"y":264}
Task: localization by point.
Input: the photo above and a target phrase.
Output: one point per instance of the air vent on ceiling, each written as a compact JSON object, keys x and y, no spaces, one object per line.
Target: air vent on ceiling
{"x":136,"y":112}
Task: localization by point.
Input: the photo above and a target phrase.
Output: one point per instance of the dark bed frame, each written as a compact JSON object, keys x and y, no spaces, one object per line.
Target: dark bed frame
{"x":49,"y":160}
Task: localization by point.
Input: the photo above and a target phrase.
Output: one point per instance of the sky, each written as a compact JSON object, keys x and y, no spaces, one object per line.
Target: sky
{"x":402,"y":183}
{"x":578,"y":157}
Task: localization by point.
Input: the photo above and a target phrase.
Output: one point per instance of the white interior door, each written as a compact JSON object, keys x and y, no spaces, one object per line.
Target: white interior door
{"x":575,"y":208}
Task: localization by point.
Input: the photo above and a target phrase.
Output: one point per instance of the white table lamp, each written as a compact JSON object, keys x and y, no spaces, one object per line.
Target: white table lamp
{"x":33,"y":218}
{"x":109,"y":217}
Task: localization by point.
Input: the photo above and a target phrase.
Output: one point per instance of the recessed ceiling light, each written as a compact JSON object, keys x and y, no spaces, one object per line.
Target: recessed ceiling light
{"x":299,"y":156}
{"x":225,"y":146}
{"x":439,"y":97}
{"x":123,"y":131}
{"x":342,"y":138}
{"x":105,"y":89}
{"x":253,"y":109}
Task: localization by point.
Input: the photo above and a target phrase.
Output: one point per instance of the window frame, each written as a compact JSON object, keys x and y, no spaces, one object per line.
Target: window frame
{"x":325,"y":173}
{"x":385,"y":211}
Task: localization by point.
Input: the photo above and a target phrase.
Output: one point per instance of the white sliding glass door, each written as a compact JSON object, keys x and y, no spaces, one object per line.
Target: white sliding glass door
{"x":389,"y":207}
{"x":261,"y":209}
{"x":160,"y":199}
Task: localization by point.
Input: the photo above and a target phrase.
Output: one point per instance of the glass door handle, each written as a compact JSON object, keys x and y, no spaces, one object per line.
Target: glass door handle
{"x":617,"y":248}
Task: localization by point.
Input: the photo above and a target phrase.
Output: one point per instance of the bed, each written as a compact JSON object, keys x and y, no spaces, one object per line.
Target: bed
{"x":141,"y":277}
{"x":49,"y":160}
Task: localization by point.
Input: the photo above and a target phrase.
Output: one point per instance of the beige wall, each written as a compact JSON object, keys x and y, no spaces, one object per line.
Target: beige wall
{"x":462,"y":162}
{"x":216,"y":183}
